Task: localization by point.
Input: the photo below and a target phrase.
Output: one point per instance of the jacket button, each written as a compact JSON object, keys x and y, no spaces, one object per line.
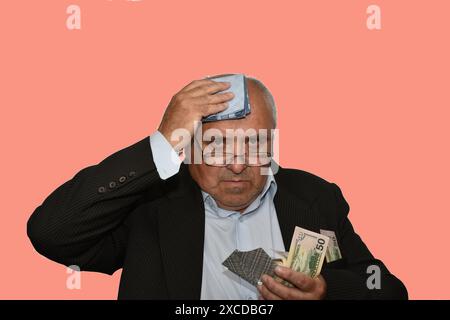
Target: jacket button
{"x":122,"y":179}
{"x":101,"y":190}
{"x":112,"y":184}
{"x":132,"y":173}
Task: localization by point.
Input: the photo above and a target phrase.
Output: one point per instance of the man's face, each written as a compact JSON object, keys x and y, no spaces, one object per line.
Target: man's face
{"x":235,"y":186}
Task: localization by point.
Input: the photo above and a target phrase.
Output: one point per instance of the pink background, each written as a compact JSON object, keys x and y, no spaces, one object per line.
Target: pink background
{"x":368,"y":110}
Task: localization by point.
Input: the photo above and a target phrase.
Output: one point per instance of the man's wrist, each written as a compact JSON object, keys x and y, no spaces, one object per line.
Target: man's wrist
{"x":166,"y":159}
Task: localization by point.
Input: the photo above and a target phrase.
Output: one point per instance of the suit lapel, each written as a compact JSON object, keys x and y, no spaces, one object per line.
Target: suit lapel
{"x":291,"y":210}
{"x":181,"y":234}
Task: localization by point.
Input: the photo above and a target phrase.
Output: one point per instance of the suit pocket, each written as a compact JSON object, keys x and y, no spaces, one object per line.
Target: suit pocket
{"x":337,"y":264}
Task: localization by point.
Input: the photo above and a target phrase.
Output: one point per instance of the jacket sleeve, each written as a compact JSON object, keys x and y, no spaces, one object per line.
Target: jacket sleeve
{"x":348,"y":279}
{"x":85,"y":221}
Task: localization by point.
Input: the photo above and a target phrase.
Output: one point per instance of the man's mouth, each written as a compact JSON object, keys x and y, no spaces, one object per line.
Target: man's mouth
{"x":235,"y":181}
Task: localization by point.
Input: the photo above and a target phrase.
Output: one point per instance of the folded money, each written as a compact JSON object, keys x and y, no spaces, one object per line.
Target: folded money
{"x":333,"y":251}
{"x":239,"y":106}
{"x":306,"y":255}
{"x":307,"y":252}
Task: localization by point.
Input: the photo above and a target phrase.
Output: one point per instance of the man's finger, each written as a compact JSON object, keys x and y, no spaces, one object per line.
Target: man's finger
{"x":208,"y":88}
{"x":213,"y":99}
{"x":196,"y":83}
{"x":298,"y":279}
{"x":281,"y":290}
{"x":267,"y":294}
{"x":214,"y":108}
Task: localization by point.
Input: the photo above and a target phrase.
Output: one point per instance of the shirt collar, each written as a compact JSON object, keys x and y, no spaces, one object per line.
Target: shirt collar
{"x":269,"y":190}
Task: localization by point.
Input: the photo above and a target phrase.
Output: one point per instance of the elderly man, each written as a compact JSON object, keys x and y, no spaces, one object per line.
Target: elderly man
{"x":169,"y":225}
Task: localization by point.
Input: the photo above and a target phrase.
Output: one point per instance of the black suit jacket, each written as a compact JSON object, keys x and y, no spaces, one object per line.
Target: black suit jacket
{"x":120,"y":214}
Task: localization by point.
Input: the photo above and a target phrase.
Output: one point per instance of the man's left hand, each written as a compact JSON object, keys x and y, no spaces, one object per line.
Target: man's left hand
{"x":304,"y":287}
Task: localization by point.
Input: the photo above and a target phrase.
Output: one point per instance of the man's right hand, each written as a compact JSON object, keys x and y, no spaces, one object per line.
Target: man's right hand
{"x":191,"y":104}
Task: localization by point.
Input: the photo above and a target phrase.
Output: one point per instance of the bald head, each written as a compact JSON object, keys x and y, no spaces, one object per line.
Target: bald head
{"x":256,"y":86}
{"x":257,"y":89}
{"x":261,"y":100}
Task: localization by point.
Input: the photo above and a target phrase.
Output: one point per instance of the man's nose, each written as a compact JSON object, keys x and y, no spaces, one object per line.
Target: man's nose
{"x":236,"y":168}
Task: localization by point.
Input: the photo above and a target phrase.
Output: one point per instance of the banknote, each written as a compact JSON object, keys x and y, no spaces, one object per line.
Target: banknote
{"x":281,"y":256}
{"x":239,"y":106}
{"x":306,"y":255}
{"x":333,"y":251}
{"x":307,"y":252}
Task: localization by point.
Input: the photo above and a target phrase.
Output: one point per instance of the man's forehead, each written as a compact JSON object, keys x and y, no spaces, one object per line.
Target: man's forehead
{"x":256,"y":120}
{"x":232,"y":134}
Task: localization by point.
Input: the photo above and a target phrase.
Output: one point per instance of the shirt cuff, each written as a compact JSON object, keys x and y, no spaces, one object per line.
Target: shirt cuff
{"x":166,"y":159}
